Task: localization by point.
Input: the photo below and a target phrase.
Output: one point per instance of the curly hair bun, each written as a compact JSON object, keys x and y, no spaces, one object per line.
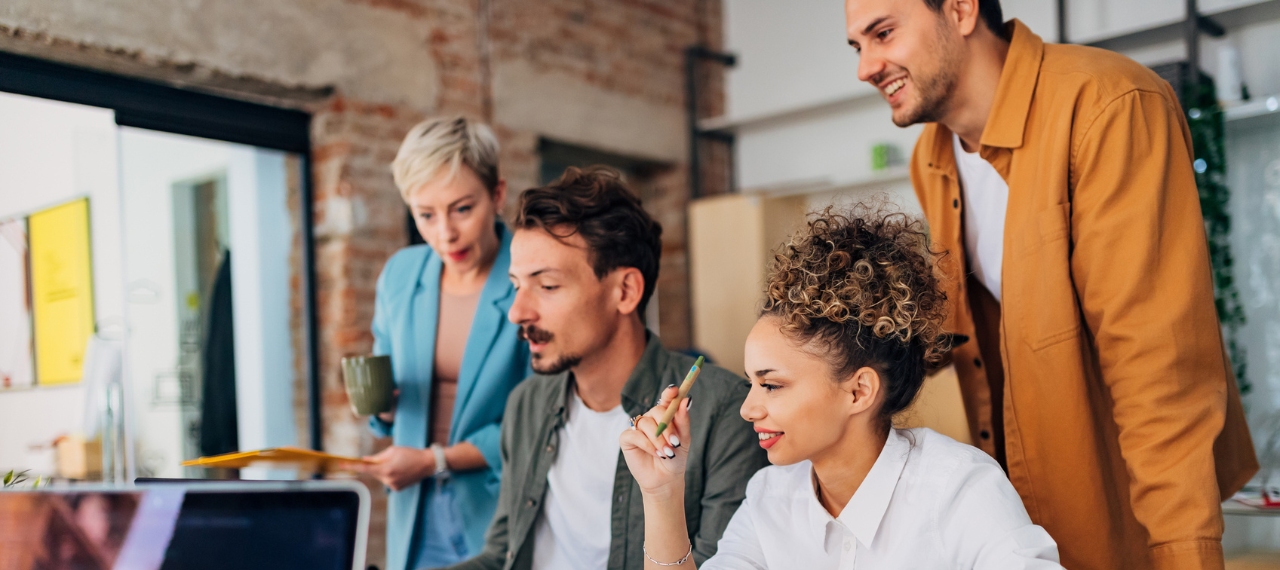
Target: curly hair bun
{"x":863,"y":284}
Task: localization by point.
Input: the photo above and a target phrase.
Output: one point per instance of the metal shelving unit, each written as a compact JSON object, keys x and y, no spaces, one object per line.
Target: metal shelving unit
{"x":1260,"y":107}
{"x":1213,"y":24}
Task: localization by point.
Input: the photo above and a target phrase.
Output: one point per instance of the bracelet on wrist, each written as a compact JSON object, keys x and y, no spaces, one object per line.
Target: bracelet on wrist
{"x":679,"y":562}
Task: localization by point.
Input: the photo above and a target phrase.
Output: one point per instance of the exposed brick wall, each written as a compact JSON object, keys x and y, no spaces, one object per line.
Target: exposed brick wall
{"x":608,"y":57}
{"x":629,"y":47}
{"x":359,"y":223}
{"x":626,"y":46}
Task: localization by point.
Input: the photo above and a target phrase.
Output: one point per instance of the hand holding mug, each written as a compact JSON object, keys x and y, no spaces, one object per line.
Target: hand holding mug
{"x":390,"y":417}
{"x":370,"y":386}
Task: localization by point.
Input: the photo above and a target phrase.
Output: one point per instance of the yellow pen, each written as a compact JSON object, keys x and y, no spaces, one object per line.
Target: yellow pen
{"x":684,"y":391}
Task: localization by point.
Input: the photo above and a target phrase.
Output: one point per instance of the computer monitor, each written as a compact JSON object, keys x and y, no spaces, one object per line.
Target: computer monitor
{"x":302,"y":524}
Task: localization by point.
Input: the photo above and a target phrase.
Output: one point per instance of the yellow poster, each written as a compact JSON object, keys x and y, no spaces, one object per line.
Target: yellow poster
{"x":61,"y":290}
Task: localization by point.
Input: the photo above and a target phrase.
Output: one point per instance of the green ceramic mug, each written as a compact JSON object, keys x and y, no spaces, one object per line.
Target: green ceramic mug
{"x":369,"y":383}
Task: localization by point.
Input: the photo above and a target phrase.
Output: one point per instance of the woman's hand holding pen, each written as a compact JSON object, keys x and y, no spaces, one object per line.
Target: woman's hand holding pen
{"x":658,"y":461}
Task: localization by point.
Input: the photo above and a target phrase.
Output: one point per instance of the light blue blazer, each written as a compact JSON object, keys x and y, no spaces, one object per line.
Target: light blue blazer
{"x":495,"y":360}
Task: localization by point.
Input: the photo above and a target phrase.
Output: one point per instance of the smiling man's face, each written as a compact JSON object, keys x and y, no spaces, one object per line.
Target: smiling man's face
{"x":910,"y":53}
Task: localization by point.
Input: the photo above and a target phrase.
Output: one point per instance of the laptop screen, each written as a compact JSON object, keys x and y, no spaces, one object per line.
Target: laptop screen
{"x":264,"y":530}
{"x":311,"y":525}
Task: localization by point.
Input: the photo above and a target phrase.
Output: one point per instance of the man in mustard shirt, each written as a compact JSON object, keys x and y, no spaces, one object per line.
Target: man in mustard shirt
{"x":1059,"y":179}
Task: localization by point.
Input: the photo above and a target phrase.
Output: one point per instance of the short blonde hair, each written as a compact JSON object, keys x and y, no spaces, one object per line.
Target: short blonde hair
{"x":445,"y":142}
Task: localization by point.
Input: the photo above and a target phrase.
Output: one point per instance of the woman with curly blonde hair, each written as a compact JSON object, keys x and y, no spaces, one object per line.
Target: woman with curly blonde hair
{"x":852,"y":317}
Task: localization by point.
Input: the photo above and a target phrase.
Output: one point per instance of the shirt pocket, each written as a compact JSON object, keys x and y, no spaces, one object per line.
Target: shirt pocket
{"x":1051,"y":313}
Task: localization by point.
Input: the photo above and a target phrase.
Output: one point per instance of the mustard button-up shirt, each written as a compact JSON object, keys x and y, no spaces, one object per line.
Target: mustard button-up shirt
{"x":1117,"y":415}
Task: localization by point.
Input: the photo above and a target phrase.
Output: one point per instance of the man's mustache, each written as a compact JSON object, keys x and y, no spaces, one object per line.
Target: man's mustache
{"x":534,"y":334}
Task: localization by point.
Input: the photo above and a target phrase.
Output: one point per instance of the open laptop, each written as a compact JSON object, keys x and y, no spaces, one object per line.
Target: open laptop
{"x":297,"y":524}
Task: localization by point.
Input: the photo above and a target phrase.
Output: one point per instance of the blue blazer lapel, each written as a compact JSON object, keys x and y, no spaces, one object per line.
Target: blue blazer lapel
{"x":490,"y":317}
{"x":421,"y":354}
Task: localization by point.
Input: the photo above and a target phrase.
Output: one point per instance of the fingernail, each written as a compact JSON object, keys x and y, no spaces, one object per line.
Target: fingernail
{"x":669,"y":386}
{"x":675,"y":441}
{"x":670,"y":452}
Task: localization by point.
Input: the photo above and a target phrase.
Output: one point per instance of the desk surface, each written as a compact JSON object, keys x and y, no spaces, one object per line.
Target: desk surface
{"x":1234,"y":507}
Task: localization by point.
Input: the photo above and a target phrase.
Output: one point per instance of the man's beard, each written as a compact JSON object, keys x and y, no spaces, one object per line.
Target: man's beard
{"x":539,"y":362}
{"x":934,"y":91}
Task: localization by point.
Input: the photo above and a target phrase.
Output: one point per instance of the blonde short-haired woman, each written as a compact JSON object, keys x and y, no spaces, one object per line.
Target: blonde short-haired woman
{"x":440,"y":313}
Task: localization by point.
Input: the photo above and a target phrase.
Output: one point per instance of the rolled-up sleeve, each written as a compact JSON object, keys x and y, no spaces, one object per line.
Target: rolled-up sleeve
{"x":486,"y":439}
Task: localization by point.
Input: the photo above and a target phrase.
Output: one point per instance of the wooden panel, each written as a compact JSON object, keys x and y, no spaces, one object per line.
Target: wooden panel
{"x":726,"y":269}
{"x":939,"y":407}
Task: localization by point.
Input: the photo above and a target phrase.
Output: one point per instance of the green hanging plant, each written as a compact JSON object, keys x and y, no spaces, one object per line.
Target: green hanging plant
{"x":1208,"y":138}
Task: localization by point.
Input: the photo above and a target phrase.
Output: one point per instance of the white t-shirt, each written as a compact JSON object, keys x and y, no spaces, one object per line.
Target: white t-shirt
{"x":928,"y":502}
{"x":986,"y":197}
{"x":573,"y":530}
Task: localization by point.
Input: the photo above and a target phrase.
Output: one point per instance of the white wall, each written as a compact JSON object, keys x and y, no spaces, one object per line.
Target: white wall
{"x":807,"y":122}
{"x":51,"y":153}
{"x":151,"y":163}
{"x":790,"y":54}
{"x":261,"y":233}
{"x":261,"y":239}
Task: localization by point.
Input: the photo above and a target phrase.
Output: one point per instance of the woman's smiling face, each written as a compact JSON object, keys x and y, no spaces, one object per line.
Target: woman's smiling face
{"x":796,"y":406}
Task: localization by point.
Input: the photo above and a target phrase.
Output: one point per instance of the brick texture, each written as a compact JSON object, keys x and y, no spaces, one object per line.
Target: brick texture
{"x":630,"y":47}
{"x":610,"y":50}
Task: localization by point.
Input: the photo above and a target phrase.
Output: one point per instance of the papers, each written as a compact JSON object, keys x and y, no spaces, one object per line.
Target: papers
{"x":276,"y":455}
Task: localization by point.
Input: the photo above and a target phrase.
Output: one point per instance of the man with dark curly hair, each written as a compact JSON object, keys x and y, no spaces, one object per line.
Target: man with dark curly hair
{"x":852,"y":315}
{"x":1059,"y":178}
{"x":584,"y":262}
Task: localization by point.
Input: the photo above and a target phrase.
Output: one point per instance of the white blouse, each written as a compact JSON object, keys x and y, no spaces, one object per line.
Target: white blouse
{"x":928,"y":502}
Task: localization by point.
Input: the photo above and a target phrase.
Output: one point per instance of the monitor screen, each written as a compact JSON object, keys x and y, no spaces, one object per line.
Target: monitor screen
{"x":311,"y":525}
{"x":314,"y":530}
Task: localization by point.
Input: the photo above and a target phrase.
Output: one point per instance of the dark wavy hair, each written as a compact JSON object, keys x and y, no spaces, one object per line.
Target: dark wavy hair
{"x":863,"y":286}
{"x":595,"y":203}
{"x":988,"y":10}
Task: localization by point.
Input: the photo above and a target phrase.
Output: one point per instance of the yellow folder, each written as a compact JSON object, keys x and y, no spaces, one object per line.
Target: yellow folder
{"x":278,"y":455}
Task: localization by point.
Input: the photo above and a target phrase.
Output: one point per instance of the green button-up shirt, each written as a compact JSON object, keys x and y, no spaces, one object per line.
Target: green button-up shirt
{"x":724,"y":453}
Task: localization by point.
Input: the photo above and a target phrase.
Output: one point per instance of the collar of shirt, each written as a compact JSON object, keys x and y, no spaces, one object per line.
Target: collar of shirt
{"x":1008,"y":120}
{"x":865,"y":510}
{"x":1006,"y":126}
